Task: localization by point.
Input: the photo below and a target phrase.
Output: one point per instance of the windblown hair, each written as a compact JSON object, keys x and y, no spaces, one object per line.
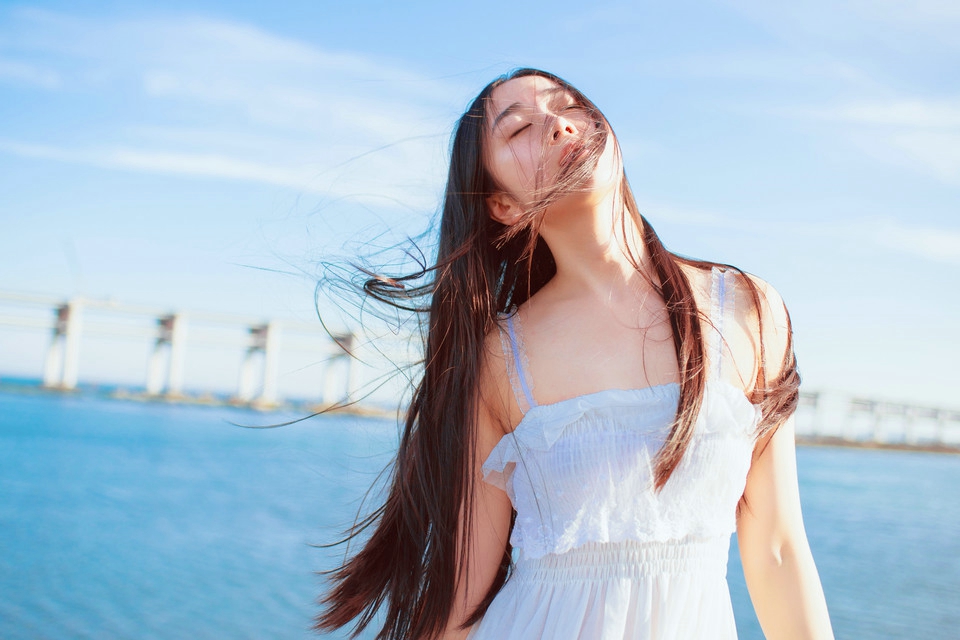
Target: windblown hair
{"x":409,"y":568}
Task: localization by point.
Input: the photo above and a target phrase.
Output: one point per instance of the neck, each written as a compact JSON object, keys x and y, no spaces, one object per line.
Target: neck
{"x":591,"y":243}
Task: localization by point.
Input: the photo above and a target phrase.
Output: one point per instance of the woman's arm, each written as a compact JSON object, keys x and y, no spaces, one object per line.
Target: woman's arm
{"x":777,"y":564}
{"x":491,"y":509}
{"x":488,"y":538}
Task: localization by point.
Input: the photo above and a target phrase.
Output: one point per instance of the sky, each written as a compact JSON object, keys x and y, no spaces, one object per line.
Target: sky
{"x":212,"y":156}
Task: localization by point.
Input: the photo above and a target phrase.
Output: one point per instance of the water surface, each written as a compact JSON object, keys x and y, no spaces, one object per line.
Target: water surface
{"x":128,"y":520}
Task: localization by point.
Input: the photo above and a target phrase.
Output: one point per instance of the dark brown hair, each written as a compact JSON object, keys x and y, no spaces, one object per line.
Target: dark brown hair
{"x":408,"y":568}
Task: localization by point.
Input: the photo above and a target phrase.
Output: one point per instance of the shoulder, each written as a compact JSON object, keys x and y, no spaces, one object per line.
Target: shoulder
{"x":762,"y":315}
{"x":763,"y":304}
{"x":751,"y":298}
{"x":758,"y":327}
{"x":748,"y":294}
{"x":701,"y":281}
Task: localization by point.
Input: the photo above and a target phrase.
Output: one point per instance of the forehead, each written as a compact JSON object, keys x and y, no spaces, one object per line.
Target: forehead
{"x":524,"y":87}
{"x":525,"y":91}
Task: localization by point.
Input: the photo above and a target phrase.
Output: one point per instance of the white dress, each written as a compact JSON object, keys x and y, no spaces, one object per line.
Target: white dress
{"x":599,"y":554}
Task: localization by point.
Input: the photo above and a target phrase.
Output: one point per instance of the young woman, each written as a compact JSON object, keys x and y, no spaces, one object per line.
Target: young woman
{"x":596,"y":417}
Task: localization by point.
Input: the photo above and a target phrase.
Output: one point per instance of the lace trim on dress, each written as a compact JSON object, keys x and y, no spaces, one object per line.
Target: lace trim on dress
{"x":585,"y":475}
{"x":580,"y":471}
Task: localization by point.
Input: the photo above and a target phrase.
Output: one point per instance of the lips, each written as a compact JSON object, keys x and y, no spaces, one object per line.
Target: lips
{"x":570,"y":152}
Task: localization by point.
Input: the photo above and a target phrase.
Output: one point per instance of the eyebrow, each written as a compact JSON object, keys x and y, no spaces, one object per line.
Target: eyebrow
{"x":504,"y":114}
{"x":516,"y":105}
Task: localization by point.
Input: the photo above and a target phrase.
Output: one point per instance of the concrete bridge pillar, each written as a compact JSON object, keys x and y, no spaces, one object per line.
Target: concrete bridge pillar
{"x":264,"y":350}
{"x":271,"y":353}
{"x":910,"y":417}
{"x":169,"y":348}
{"x":339,"y":376}
{"x":809,"y":406}
{"x":879,"y":413}
{"x":941,"y":417}
{"x":63,"y":355}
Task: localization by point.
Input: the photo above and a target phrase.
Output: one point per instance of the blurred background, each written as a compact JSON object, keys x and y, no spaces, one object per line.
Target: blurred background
{"x":203,"y":160}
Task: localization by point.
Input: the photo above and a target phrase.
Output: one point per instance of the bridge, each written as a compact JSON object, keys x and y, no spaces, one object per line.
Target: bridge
{"x":831,"y":418}
{"x":171,"y":335}
{"x":822,"y":416}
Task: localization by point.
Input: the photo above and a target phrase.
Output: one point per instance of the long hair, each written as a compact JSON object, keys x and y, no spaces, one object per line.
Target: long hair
{"x":409,"y":569}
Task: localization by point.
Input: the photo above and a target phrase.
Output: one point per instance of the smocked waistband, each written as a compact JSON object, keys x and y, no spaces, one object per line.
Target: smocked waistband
{"x":630,"y":560}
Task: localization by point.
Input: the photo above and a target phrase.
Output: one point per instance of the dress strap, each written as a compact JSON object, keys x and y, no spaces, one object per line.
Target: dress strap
{"x":516,"y":357}
{"x":718,"y":309}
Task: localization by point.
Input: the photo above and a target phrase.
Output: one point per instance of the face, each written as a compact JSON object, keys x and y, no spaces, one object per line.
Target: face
{"x":540,"y":141}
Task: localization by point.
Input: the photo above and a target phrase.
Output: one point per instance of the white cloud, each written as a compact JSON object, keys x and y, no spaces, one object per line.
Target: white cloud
{"x":368,"y":185}
{"x":919,"y":133}
{"x":30,"y":74}
{"x":897,"y":25}
{"x":937,"y":244}
{"x":909,"y":112}
{"x":325,"y":121}
{"x":939,"y":152}
{"x":935,"y":12}
{"x":762,"y":65}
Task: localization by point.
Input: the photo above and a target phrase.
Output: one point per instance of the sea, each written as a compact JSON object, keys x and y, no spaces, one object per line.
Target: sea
{"x":124,"y":519}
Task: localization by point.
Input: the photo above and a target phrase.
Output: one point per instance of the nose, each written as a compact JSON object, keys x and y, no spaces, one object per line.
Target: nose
{"x":563,"y":128}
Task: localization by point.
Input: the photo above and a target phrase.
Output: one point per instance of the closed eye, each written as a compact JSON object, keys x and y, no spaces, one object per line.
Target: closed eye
{"x":520,"y":130}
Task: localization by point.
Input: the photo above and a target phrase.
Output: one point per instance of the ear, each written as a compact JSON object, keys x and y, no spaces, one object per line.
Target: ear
{"x":503,"y":208}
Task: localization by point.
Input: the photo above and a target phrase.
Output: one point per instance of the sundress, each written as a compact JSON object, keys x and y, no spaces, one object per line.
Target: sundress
{"x":600,"y":555}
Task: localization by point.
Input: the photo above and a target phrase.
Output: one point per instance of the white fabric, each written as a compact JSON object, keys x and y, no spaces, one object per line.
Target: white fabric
{"x":600,"y":554}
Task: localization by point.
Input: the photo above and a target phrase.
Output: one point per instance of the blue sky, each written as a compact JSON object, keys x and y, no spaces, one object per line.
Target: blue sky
{"x":209,"y":155}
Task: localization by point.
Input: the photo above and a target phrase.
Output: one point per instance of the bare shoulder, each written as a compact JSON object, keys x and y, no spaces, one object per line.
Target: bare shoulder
{"x":700,"y":282}
{"x":766,"y":307}
{"x":739,"y":287}
{"x":757,"y":317}
{"x":762,"y":324}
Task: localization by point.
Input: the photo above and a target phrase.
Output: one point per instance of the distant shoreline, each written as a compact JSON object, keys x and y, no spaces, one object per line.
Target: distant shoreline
{"x":208,"y":399}
{"x":835,"y":441}
{"x":202,"y":399}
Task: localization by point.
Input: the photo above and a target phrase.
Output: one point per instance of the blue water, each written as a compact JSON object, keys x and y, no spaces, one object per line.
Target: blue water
{"x":129,"y":520}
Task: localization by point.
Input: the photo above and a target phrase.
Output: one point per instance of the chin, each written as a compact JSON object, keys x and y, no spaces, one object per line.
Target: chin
{"x":589,"y":197}
{"x":605,"y":178}
{"x":595,"y":186}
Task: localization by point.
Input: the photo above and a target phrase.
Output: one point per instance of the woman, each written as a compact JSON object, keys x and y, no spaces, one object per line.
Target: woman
{"x":608,"y":410}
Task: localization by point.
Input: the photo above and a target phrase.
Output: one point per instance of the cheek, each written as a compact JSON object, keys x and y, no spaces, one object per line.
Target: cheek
{"x":608,"y":170}
{"x":527,"y":160}
{"x":610,"y":157}
{"x":514,"y":166}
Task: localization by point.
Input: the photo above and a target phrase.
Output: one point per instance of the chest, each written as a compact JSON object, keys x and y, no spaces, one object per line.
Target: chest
{"x":596,"y":351}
